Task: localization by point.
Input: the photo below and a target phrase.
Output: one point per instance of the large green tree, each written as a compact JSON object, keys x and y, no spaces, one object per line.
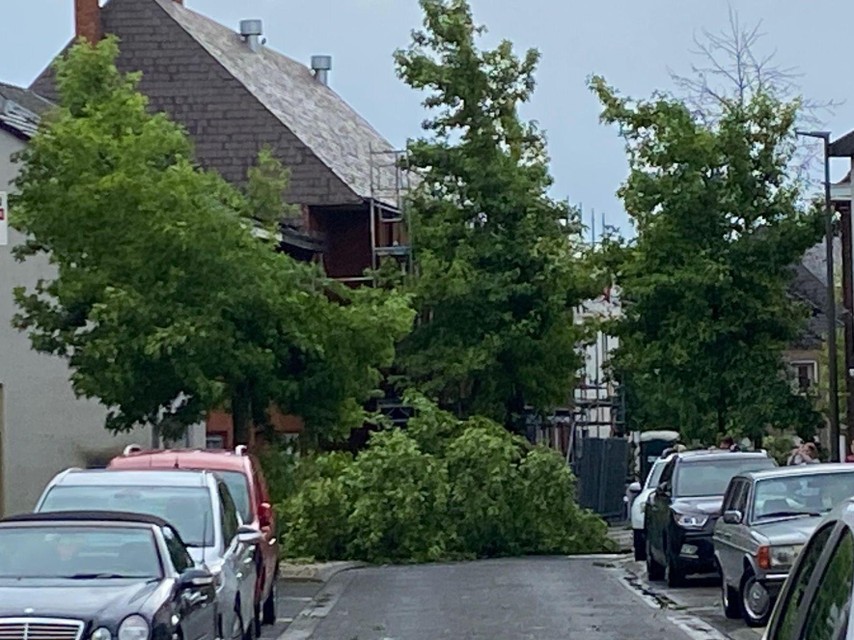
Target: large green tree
{"x":719,"y":224}
{"x":498,"y":260}
{"x":164,"y":302}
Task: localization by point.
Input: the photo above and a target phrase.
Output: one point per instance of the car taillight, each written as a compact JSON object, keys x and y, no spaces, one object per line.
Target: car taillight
{"x":763,"y":557}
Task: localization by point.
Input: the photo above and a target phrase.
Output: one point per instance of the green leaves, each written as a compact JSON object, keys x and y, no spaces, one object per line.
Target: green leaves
{"x":163,"y":301}
{"x":442,"y":488}
{"x":499,"y":268}
{"x":705,"y":282}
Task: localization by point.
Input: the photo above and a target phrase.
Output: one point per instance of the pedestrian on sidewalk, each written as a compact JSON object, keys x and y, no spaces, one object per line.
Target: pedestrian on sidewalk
{"x":807,"y":453}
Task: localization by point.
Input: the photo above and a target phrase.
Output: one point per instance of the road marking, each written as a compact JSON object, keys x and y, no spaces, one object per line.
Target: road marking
{"x":297,"y":598}
{"x":284,"y":620}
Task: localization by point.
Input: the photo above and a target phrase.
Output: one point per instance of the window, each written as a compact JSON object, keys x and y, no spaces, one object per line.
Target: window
{"x":78,"y":552}
{"x":230,"y":519}
{"x":798,"y":584}
{"x":188,"y":509}
{"x":827,"y":614}
{"x":181,"y":560}
{"x":805,"y":375}
{"x":238,"y":486}
{"x":736,"y":496}
{"x":711,"y":477}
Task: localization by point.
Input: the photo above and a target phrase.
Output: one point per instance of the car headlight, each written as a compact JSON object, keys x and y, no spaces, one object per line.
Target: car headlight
{"x":133,"y":628}
{"x":689,"y":521}
{"x":102,"y":633}
{"x":785,"y":555}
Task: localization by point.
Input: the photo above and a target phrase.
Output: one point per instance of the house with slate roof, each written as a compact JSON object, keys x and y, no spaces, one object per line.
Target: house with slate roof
{"x":234,"y":95}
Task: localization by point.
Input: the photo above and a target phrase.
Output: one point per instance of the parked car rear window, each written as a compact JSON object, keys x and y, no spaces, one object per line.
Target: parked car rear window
{"x":188,"y":509}
{"x":711,"y":477}
{"x":78,"y":552}
{"x":238,"y":486}
{"x":774,"y":497}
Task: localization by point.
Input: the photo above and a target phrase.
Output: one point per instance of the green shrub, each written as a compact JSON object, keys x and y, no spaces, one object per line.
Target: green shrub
{"x":314,"y":521}
{"x":399,"y":501}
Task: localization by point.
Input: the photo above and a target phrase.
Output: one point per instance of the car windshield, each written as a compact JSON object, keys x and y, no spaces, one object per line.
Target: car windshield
{"x":655,"y":474}
{"x":710,"y":477}
{"x":239,"y":489}
{"x":78,"y":553}
{"x":188,"y":509}
{"x":801,"y":495}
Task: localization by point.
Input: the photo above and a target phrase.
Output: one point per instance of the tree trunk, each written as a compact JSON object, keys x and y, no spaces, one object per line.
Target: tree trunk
{"x":241,"y":413}
{"x":515,"y":420}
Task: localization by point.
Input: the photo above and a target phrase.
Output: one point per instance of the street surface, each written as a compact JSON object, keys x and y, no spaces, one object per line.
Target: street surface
{"x":512,"y":599}
{"x":701,"y":597}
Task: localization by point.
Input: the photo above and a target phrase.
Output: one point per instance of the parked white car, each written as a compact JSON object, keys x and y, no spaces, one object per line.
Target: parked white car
{"x":638,"y":506}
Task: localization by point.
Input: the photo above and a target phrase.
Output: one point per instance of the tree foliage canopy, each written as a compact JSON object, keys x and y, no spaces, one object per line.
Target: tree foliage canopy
{"x":163,"y":301}
{"x":719,"y":226}
{"x":499,"y":260}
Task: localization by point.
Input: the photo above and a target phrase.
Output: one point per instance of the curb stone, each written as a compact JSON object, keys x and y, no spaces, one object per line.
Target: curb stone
{"x":316,"y":572}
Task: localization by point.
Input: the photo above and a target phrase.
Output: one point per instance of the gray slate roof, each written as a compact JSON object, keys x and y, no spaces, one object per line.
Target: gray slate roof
{"x":318,"y":116}
{"x":20,"y":109}
{"x":811,"y":291}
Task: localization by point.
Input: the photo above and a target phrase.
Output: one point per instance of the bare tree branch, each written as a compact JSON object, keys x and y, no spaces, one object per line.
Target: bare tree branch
{"x":731,"y":69}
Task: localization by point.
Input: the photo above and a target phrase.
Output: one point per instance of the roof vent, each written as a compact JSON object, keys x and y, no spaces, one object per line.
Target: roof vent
{"x":251,"y":31}
{"x":321,"y":65}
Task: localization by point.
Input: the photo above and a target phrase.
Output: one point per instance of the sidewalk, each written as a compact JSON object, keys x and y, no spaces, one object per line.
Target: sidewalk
{"x":621,"y":535}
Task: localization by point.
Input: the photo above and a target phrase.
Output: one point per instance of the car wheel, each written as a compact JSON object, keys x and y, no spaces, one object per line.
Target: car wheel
{"x":639,"y":544}
{"x":730,"y":600}
{"x":268,"y":613}
{"x":675,"y":572}
{"x":654,"y":571}
{"x":755,"y":601}
{"x":256,"y":620}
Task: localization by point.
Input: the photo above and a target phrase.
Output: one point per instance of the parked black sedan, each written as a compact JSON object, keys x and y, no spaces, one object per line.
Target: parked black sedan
{"x":101,"y":576}
{"x":681,"y":513}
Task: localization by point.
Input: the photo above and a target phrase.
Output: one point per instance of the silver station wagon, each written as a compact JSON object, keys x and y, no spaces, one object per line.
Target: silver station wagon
{"x":767,"y":518}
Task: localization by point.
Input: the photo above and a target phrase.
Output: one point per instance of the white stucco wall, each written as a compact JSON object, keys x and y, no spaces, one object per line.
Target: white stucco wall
{"x":44,"y":428}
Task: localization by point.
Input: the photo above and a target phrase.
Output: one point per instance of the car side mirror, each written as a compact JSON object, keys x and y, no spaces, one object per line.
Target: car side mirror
{"x":249,"y":535}
{"x":732,"y":516}
{"x":195,"y":578}
{"x":635,"y":487}
{"x":265,"y":514}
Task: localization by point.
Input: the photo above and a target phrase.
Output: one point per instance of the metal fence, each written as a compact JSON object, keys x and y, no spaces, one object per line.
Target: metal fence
{"x":601,"y":466}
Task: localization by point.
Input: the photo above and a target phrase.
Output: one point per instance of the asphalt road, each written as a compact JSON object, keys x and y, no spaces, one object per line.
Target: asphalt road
{"x":700,"y":597}
{"x":513,"y":599}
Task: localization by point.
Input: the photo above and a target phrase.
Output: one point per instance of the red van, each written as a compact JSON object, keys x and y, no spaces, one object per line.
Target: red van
{"x":242,"y":473}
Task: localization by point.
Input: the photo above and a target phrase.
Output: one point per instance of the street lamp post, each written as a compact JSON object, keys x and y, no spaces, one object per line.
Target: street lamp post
{"x":830,"y":311}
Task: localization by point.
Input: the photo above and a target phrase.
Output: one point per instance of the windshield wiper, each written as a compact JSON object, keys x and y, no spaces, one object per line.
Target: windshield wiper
{"x":790,"y":514}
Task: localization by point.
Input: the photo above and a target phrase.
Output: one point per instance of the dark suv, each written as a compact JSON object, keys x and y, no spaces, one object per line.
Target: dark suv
{"x":681,"y":513}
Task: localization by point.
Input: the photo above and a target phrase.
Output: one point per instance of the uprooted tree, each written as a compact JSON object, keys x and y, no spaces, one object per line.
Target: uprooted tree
{"x":499,"y":261}
{"x":163,"y":301}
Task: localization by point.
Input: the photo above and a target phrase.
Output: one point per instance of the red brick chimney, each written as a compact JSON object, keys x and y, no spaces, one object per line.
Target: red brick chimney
{"x":87,"y":20}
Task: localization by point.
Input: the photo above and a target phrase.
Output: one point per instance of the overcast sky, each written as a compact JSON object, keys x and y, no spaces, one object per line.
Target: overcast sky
{"x":631,"y":43}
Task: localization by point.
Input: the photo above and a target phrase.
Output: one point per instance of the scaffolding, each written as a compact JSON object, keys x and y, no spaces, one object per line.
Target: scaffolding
{"x":390,"y":235}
